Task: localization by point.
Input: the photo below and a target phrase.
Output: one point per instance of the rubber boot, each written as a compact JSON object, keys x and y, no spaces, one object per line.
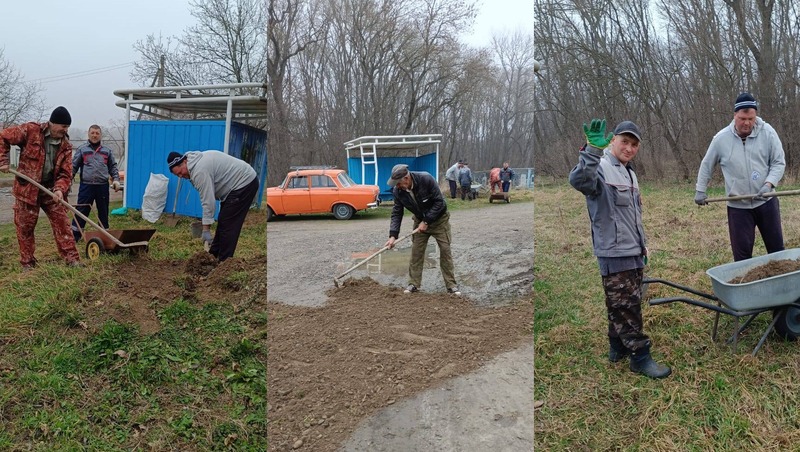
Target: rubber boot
{"x":642,"y":363}
{"x":617,"y":351}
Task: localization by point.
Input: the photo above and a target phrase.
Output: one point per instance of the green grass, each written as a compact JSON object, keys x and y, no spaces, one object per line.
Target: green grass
{"x":199,"y":383}
{"x":715,"y":399}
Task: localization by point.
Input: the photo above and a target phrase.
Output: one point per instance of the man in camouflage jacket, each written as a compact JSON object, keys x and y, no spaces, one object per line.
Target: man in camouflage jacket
{"x":46,"y":157}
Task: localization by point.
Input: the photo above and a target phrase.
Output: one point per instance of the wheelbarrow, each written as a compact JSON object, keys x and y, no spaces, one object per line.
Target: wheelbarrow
{"x":111,"y":240}
{"x":778,"y":294}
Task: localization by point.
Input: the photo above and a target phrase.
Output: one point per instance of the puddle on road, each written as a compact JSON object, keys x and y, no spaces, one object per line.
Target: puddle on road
{"x":392,"y":263}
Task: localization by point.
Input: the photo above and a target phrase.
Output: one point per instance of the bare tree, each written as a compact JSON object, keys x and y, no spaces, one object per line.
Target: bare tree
{"x":19,"y":100}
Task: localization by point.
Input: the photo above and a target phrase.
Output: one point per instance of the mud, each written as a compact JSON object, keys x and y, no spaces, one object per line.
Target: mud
{"x":492,"y":248}
{"x":772,"y":268}
{"x":201,"y":264}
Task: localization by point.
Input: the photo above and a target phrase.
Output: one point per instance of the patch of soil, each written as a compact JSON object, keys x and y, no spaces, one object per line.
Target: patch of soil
{"x":368,"y":347}
{"x":201,"y":264}
{"x":771,"y":268}
{"x":142,"y":287}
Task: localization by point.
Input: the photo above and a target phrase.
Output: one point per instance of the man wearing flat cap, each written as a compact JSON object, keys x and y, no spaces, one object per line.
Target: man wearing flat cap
{"x":750,"y":154}
{"x":219,"y":176}
{"x":604,"y":176}
{"x":46,"y":157}
{"x":420,"y":194}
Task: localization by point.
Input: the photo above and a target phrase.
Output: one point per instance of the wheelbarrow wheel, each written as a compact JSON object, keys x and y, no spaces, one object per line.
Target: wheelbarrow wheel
{"x":93,"y":248}
{"x":788,"y":323}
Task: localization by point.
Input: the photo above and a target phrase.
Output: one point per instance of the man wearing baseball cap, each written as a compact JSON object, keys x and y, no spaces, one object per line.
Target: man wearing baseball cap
{"x":420,"y":194}
{"x":604,"y":176}
{"x":750,"y":154}
{"x":46,"y":157}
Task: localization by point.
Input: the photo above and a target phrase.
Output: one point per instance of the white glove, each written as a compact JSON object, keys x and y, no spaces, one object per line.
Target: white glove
{"x":207,"y":237}
{"x":115,"y":185}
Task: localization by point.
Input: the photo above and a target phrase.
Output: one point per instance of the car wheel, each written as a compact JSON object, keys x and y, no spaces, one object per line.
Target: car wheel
{"x":270,"y":214}
{"x":343,"y":212}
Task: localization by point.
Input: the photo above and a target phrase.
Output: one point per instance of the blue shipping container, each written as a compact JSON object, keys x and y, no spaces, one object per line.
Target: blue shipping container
{"x":149,"y":143}
{"x":426,"y":163}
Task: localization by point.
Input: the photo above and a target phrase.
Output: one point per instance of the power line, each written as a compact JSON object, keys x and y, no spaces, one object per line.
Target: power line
{"x":86,"y":73}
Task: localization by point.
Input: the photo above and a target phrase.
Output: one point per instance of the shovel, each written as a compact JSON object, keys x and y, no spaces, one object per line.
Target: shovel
{"x":171,"y":221}
{"x":370,"y":257}
{"x":766,"y":195}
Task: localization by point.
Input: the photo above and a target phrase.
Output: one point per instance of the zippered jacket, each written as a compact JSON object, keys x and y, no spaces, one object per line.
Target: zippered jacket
{"x":30,"y":138}
{"x":614,"y":203}
{"x":746,"y":166}
{"x":427,"y":204}
{"x":95,"y":166}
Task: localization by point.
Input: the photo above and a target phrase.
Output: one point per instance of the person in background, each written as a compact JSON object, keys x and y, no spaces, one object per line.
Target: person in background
{"x":465,"y":180}
{"x":219,"y":176}
{"x":420,"y":194}
{"x":507,"y":177}
{"x":615,"y":213}
{"x":45,"y":157}
{"x":96,"y":165}
{"x":452,"y":178}
{"x":750,"y":154}
{"x":494,"y":179}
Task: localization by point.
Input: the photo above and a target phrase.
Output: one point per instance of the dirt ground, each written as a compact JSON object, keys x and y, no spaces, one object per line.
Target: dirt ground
{"x":772,"y":268}
{"x":142,"y":286}
{"x":355,"y":367}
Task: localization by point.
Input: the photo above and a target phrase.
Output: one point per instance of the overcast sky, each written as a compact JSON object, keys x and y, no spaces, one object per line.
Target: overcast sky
{"x":80,"y":52}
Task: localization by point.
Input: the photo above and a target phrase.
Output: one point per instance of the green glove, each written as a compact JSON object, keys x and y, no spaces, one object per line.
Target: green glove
{"x":596,"y":133}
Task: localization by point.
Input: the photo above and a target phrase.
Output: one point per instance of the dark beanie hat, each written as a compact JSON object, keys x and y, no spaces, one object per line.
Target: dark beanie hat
{"x":745,"y":100}
{"x":61,"y":116}
{"x":175,"y":158}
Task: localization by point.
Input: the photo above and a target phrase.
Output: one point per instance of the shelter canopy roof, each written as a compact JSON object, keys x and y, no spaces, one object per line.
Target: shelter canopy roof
{"x":206,"y":100}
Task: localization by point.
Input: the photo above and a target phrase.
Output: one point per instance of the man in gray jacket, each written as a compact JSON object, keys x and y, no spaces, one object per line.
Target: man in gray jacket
{"x":751,"y":157}
{"x":219,"y":176}
{"x":96,"y":165}
{"x":615,"y":212}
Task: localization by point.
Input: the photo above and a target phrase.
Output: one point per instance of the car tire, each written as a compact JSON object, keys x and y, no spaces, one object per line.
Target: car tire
{"x":343,"y":211}
{"x":270,"y":214}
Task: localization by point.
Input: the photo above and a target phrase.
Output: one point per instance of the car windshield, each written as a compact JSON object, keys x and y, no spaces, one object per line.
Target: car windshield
{"x":283,"y":184}
{"x":345,"y":180}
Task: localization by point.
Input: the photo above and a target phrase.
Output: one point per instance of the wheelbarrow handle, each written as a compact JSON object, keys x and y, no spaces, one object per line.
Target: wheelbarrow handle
{"x":69,"y":206}
{"x":765,"y":195}
{"x":370,"y":257}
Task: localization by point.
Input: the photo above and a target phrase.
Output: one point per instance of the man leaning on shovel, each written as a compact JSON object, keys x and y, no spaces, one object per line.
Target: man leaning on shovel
{"x":419,"y":193}
{"x":604,"y":176}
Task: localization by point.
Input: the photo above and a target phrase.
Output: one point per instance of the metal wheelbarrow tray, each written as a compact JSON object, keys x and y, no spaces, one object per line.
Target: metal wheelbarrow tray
{"x":112,"y":240}
{"x":778,"y":294}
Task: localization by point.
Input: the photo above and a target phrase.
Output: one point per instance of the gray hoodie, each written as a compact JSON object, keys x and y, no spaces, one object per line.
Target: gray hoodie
{"x":215,"y":174}
{"x":745,"y":166}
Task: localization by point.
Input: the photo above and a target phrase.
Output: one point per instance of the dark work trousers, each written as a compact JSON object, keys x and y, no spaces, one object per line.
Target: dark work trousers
{"x":88,"y":194}
{"x":506,"y":186}
{"x":742,"y":224}
{"x":624,"y":305}
{"x":232,"y":213}
{"x":453,"y":188}
{"x":466,"y":191}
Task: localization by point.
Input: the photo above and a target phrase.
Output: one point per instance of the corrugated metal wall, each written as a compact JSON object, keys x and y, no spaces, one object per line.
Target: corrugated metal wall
{"x":149,"y":143}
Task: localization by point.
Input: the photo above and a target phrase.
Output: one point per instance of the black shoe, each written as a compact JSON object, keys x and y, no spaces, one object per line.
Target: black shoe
{"x":411,"y":289}
{"x":617,"y":351}
{"x":454,"y":291}
{"x":642,"y":363}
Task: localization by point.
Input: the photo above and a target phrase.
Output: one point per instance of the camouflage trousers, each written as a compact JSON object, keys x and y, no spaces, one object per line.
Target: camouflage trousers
{"x":25,"y":218}
{"x":624,"y":305}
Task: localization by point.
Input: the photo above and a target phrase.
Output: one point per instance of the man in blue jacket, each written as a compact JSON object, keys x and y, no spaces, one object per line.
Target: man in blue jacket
{"x":615,"y":212}
{"x":750,"y":154}
{"x":420,"y":194}
{"x":96,"y":165}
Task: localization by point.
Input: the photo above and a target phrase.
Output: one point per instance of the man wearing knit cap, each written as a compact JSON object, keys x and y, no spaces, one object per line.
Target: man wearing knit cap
{"x":219,"y":176}
{"x":46,"y":157}
{"x":750,"y":154}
